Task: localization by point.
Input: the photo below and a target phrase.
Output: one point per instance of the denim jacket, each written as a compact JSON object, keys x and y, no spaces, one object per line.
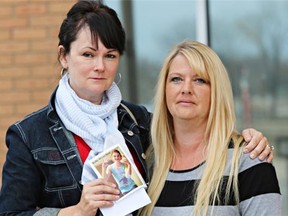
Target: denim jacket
{"x":43,"y":166}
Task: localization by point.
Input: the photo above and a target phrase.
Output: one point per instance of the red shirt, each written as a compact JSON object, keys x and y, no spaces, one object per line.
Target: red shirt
{"x":83,"y":148}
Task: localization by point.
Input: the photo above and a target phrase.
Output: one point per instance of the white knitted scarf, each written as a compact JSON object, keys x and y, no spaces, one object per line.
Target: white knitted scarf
{"x":97,"y":125}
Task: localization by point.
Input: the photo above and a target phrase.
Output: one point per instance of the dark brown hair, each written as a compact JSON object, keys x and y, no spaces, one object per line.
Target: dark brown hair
{"x":102,"y":21}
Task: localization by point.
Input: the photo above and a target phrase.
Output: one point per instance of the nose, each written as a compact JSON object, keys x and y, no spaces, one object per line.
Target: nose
{"x":186,"y":88}
{"x":99,"y":64}
{"x":186,"y":92}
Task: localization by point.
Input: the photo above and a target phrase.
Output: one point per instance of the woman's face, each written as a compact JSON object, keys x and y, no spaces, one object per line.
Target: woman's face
{"x":187,"y":94}
{"x":91,"y":70}
{"x":116,"y":156}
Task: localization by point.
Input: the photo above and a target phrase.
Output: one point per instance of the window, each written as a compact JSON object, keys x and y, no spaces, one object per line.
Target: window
{"x":251,"y":38}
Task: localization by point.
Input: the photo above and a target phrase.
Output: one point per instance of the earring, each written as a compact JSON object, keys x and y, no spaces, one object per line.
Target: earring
{"x":62,"y":72}
{"x":120,"y":76}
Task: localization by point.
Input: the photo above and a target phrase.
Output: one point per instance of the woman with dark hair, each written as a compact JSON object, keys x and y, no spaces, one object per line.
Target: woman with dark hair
{"x":46,"y":171}
{"x":46,"y":167}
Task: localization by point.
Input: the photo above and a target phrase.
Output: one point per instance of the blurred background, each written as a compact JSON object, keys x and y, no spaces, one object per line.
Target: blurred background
{"x":251,"y":37}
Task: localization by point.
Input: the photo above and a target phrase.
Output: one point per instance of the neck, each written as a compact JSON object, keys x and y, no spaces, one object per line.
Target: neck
{"x":189,"y":146}
{"x":118,"y":163}
{"x":188,"y":156}
{"x":188,"y":135}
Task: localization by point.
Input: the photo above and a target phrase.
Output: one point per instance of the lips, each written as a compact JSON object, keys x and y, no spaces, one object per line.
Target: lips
{"x":97,"y":78}
{"x":186,"y":101}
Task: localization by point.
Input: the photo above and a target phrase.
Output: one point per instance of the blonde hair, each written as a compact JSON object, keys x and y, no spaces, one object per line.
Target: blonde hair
{"x":220,"y":129}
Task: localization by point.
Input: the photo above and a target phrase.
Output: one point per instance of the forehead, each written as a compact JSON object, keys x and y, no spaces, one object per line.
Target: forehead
{"x":180,"y":64}
{"x":84,"y":40}
{"x":84,"y":36}
{"x":189,"y":64}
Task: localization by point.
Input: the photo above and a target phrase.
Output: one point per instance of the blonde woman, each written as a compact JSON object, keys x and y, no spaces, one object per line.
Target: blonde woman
{"x":199,"y":165}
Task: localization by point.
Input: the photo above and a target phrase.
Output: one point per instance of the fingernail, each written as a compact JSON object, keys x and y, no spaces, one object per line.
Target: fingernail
{"x":252,"y":155}
{"x":245,"y":150}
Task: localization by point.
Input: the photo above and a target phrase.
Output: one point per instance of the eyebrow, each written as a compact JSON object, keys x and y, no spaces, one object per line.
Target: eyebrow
{"x":112,"y":50}
{"x":108,"y":50}
{"x":174,"y":73}
{"x":180,"y":74}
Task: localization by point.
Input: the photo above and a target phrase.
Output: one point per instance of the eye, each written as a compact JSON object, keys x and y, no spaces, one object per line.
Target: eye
{"x":200,"y":80}
{"x":176,"y":79}
{"x":111,"y":56}
{"x":88,"y":55}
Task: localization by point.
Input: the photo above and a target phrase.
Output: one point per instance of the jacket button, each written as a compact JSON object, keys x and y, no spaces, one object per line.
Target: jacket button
{"x":143,"y":156}
{"x":130,"y":133}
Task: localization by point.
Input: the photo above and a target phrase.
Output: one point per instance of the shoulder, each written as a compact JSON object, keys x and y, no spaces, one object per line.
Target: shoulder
{"x":257,"y":178}
{"x":236,"y":140}
{"x":33,"y":119}
{"x":237,"y":143}
{"x":28,"y":131}
{"x":43,"y":116}
{"x":135,"y":108}
{"x":139,"y":112}
{"x":247,"y":163}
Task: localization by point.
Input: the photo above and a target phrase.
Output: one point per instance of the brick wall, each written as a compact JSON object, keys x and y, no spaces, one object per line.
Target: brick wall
{"x":29,"y":70}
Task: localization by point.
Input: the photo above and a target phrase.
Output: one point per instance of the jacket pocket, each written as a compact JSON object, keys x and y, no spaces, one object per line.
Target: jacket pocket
{"x":54,"y":169}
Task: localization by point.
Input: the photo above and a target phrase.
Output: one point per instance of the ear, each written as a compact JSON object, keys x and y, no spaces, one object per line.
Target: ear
{"x":62,"y":56}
